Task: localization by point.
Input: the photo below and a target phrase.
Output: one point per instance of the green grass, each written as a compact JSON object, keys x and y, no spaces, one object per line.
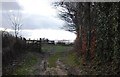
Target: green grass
{"x":70,"y":59}
{"x":59,"y":53}
{"x":52,"y":59}
{"x":25,"y":67}
{"x":62,"y":48}
{"x":56,"y":48}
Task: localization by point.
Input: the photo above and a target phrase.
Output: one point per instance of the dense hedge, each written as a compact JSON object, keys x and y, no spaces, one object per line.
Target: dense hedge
{"x":11,"y":47}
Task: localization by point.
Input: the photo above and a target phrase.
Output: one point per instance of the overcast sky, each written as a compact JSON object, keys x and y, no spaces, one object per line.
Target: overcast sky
{"x":39,"y":18}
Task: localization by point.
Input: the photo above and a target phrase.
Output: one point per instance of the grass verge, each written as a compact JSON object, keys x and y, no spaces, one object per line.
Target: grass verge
{"x":26,"y":65}
{"x":71,"y":59}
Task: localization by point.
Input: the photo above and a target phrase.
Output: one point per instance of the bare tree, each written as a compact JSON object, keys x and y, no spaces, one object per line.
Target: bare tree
{"x":15,"y":18}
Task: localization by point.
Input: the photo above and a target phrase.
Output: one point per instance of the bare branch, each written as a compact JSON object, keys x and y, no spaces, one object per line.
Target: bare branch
{"x":15,"y":19}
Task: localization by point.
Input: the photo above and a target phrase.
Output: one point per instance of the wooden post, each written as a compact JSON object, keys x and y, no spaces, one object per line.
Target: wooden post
{"x":40,"y":41}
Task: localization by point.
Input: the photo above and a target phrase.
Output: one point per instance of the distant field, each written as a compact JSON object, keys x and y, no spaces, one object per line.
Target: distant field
{"x":55,"y":48}
{"x":60,"y":52}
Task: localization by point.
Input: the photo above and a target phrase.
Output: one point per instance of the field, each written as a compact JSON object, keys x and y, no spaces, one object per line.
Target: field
{"x":58,"y":52}
{"x":55,"y":48}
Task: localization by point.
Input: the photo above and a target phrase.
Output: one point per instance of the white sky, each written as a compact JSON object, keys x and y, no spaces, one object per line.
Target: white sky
{"x":42,"y":21}
{"x":40,"y":7}
{"x":52,"y":34}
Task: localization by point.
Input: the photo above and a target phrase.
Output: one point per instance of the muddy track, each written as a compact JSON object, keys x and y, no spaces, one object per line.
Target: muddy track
{"x":41,"y":67}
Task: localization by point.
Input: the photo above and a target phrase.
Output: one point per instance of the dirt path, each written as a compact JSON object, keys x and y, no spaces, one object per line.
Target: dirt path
{"x":40,"y":67}
{"x":35,"y":63}
{"x":58,"y":70}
